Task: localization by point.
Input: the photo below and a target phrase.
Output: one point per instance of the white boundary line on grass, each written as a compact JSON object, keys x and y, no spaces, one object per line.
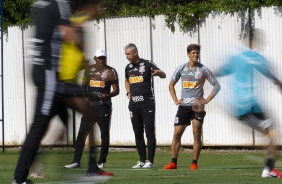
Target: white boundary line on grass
{"x":84,"y":180}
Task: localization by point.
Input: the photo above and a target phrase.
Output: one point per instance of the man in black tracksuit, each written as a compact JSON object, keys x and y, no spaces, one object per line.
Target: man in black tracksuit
{"x":51,"y":23}
{"x":140,"y":90}
{"x":97,"y":82}
{"x":47,"y":103}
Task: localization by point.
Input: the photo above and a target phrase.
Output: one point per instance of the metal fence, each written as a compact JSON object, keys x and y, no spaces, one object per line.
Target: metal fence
{"x":219,"y":35}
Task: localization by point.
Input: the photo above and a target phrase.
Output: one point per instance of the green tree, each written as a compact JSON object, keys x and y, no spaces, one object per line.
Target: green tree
{"x":187,"y":13}
{"x":16,"y":12}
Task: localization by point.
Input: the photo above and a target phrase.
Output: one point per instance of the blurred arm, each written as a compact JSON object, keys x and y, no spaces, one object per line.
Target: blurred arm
{"x":226,"y":69}
{"x":216,"y":89}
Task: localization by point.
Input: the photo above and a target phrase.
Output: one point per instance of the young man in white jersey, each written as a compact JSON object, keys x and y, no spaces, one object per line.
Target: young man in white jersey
{"x":191,"y":104}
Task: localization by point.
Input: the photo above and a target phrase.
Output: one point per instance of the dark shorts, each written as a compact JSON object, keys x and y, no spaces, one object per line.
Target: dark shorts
{"x":69,"y":89}
{"x":256,"y":121}
{"x":185,"y":115}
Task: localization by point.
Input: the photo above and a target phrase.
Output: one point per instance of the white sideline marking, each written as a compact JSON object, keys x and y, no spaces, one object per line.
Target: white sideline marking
{"x":85,"y":180}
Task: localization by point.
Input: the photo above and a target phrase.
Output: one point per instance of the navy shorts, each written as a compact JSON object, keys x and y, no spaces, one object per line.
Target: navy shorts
{"x":185,"y":115}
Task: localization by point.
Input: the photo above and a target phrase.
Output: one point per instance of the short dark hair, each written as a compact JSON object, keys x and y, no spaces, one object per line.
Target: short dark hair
{"x":193,"y":47}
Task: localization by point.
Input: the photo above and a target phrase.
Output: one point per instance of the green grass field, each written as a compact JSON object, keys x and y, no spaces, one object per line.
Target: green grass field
{"x":215,"y":166}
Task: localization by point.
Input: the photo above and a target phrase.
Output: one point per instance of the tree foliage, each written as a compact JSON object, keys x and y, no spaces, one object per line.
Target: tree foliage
{"x":16,"y":12}
{"x":187,"y":13}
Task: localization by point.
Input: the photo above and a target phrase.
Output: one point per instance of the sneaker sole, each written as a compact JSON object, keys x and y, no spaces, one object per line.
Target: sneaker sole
{"x":71,"y":167}
{"x":169,"y":169}
{"x":266,"y":175}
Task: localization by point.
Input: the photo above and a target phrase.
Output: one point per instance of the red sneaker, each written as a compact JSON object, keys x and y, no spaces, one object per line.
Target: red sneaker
{"x":274,"y":173}
{"x":277,"y":172}
{"x":100,"y":173}
{"x":193,"y":166}
{"x":104,"y":173}
{"x":170,"y":166}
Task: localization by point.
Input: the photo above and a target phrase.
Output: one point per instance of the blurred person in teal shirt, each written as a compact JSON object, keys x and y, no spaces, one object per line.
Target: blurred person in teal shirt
{"x":247,"y":107}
